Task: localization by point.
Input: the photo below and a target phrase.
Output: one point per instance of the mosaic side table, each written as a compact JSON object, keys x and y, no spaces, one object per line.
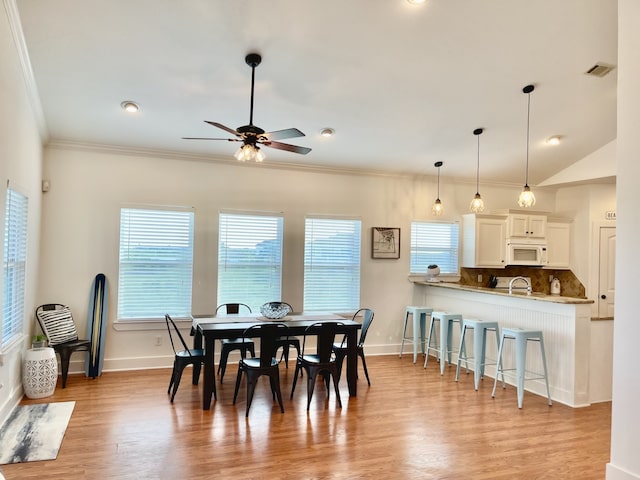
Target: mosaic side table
{"x":39,"y":372}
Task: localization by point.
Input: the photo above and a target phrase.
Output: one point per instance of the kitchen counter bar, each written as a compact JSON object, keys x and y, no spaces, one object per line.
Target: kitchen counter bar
{"x":564,"y":321}
{"x":538,"y":296}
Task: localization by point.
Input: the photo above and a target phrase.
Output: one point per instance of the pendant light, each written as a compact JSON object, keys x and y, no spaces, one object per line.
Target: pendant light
{"x":527,"y":198}
{"x":477,"y":204}
{"x":437,"y":205}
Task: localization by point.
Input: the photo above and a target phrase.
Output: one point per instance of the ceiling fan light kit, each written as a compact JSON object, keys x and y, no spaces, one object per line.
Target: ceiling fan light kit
{"x":437,"y":208}
{"x":252,"y":136}
{"x":527,"y":199}
{"x":477,"y":204}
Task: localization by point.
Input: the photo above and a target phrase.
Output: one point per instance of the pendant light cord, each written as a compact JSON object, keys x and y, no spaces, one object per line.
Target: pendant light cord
{"x":526,"y":175}
{"x":438,"y":183}
{"x":478,"y":168}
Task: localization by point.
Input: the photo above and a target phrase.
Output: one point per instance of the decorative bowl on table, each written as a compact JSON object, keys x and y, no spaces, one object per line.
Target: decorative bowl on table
{"x":275,"y":310}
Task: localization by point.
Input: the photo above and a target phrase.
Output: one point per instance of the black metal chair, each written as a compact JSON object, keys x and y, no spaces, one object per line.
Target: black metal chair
{"x":58,"y":326}
{"x":231,"y":344}
{"x":340,"y":349}
{"x":265,"y":364}
{"x":286,"y":342}
{"x":182,"y":358}
{"x":322,"y":361}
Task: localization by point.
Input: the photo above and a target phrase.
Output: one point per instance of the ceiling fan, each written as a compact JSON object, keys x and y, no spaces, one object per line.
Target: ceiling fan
{"x":252,"y":136}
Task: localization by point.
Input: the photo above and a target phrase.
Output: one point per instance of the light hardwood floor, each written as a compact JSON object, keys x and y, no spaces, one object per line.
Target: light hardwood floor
{"x":411,"y":423}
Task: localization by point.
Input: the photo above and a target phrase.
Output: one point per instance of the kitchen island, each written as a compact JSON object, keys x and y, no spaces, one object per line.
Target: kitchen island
{"x":564,"y":321}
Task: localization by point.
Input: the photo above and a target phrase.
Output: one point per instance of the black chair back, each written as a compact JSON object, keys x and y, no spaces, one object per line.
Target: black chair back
{"x":366,"y":323}
{"x":325,"y":334}
{"x":171,"y":324}
{"x":268,"y":334}
{"x":232,"y":308}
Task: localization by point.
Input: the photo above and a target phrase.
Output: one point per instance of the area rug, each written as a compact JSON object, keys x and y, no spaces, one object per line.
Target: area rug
{"x":34,"y":432}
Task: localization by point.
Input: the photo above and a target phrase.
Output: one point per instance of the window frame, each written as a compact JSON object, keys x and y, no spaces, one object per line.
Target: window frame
{"x":15,"y":251}
{"x":352,"y":302}
{"x":127,"y":322}
{"x":413,"y":246}
{"x":252,"y":297}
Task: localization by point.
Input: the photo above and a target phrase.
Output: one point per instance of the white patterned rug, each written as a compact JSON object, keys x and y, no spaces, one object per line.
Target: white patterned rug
{"x":34,"y":432}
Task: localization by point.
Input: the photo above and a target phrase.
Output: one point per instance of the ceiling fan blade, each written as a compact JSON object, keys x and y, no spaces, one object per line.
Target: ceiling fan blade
{"x":287,"y":147}
{"x":280,"y":134}
{"x":209,"y":138}
{"x":223,"y":127}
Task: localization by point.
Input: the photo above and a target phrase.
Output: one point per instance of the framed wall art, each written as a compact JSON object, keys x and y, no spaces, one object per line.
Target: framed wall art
{"x":385,"y":242}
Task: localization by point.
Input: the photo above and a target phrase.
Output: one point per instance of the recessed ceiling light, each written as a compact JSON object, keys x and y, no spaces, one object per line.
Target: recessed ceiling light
{"x":416,"y":2}
{"x":327,"y":132}
{"x":129,"y":106}
{"x":555,"y":140}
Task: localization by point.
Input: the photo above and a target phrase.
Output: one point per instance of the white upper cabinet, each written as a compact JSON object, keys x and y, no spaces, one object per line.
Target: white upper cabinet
{"x":526,"y":226}
{"x":558,"y":245}
{"x":483,"y":241}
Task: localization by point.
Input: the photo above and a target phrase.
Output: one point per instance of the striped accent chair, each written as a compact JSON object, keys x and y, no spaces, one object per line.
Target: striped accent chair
{"x":57,"y":324}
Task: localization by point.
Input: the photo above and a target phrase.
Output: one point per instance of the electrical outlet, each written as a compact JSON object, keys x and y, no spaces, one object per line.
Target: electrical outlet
{"x":158,"y":341}
{"x":479,"y":278}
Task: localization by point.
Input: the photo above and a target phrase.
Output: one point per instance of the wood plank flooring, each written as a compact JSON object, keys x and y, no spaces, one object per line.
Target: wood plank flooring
{"x":411,"y":423}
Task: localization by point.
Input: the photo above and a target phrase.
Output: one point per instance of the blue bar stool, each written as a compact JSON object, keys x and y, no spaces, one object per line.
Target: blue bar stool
{"x":446,"y":320}
{"x":521,"y":337}
{"x":419,"y":316}
{"x":480,"y":328}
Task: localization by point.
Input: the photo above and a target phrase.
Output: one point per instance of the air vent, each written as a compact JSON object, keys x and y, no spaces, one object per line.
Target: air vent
{"x":600,"y":69}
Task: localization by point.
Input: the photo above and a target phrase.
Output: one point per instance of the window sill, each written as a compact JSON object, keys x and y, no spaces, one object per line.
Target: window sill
{"x":417,"y":277}
{"x":151,"y":324}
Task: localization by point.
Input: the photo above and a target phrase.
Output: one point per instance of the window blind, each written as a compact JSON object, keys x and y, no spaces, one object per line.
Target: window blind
{"x":250,"y":259}
{"x":156,"y":263}
{"x":434,"y":243}
{"x":14,"y":266}
{"x":332,"y":264}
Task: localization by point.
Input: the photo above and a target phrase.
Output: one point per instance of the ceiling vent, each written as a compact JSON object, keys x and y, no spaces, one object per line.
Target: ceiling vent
{"x":600,"y":69}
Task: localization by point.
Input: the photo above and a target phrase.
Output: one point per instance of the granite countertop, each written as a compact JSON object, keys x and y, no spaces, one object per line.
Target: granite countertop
{"x":543,"y":297}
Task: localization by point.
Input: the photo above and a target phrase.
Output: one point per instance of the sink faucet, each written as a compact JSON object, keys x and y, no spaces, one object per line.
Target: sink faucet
{"x":524,"y":279}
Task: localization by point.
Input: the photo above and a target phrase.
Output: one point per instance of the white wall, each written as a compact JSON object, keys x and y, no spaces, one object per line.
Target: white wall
{"x":625,"y":425}
{"x":20,"y":164}
{"x":89,"y":186}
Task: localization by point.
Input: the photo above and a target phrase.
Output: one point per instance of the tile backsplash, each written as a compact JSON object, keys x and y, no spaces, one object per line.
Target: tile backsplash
{"x":570,"y":286}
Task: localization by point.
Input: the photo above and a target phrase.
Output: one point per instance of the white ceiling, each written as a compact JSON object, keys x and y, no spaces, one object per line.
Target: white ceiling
{"x":403,"y":85}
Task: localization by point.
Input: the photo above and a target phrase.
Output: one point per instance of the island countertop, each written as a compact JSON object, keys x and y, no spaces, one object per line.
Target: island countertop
{"x":539,"y":296}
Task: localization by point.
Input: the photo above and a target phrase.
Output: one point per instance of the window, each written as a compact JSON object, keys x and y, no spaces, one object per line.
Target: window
{"x":434,"y":243}
{"x":332,"y":264}
{"x":250,"y":259}
{"x":14,"y":267}
{"x":156,"y":263}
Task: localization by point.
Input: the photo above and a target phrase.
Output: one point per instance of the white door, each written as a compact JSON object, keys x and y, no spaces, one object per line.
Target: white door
{"x":607,"y":277}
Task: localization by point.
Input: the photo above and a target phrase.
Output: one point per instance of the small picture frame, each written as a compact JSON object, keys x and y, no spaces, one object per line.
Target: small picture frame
{"x":385,"y":242}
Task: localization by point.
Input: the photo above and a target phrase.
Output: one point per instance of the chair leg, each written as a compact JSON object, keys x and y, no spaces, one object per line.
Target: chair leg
{"x":275,"y":388}
{"x":340,"y":354}
{"x":311,"y":383}
{"x":364,"y":366}
{"x":65,"y":355}
{"x":222,"y":366}
{"x":335,"y":386}
{"x":295,"y":378}
{"x":196,"y":373}
{"x":251,"y":387}
{"x":176,"y":381}
{"x":173,"y":375}
{"x":238,"y":379}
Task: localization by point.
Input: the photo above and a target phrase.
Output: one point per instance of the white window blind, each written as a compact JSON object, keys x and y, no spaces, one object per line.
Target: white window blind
{"x":156,"y":263}
{"x":434,"y":243}
{"x":14,"y":266}
{"x":250,"y":259}
{"x":332,"y":264}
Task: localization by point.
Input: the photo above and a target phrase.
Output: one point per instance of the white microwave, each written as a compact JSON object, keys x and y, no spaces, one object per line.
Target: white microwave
{"x":526,"y":254}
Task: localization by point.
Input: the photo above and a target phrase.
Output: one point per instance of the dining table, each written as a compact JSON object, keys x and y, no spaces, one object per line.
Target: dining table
{"x":207,"y":329}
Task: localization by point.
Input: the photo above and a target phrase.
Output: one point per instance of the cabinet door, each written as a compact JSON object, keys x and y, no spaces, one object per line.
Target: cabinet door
{"x":518,"y":225}
{"x":537,"y":227}
{"x":490,"y":243}
{"x":558,"y":245}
